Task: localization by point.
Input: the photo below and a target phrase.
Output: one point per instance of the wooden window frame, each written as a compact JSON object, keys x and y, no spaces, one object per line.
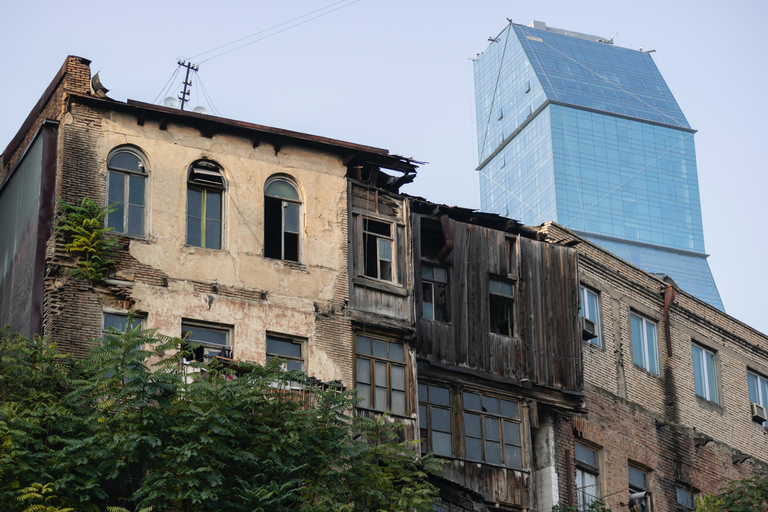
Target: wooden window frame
{"x":206,"y":350}
{"x":128,"y":177}
{"x":426,"y":406}
{"x":498,"y":301}
{"x":368,"y":236}
{"x":284,"y":202}
{"x":484,"y":440}
{"x":301,"y":360}
{"x":370,"y":402}
{"x":428,"y":286}
{"x":202,"y":177}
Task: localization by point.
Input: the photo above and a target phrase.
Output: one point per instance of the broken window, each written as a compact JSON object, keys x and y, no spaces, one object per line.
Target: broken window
{"x":492,"y":430}
{"x":432,"y":239}
{"x":205,"y":190}
{"x":377,"y":249}
{"x":211,"y":340}
{"x":380,"y":376}
{"x":434,"y":286}
{"x":282,"y":219}
{"x":287,"y":349}
{"x":501,"y":306}
{"x":435,"y":414}
{"x":126,"y":191}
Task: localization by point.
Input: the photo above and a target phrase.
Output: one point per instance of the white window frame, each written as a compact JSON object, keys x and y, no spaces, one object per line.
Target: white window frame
{"x":586,"y":496}
{"x":762,"y":397}
{"x":705,"y":362}
{"x":586,"y":312}
{"x":646,"y":343}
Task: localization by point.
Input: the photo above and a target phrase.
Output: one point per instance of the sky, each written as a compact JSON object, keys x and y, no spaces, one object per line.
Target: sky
{"x":398,"y":75}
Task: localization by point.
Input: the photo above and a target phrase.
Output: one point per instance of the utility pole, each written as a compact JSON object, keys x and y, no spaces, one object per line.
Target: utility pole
{"x":185,"y":92}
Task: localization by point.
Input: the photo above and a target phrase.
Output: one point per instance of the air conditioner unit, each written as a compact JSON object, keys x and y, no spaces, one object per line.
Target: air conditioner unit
{"x":758,"y":413}
{"x":588,"y":329}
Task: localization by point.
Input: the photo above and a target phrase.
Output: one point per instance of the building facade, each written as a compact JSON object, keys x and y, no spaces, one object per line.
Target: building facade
{"x":575,"y":130}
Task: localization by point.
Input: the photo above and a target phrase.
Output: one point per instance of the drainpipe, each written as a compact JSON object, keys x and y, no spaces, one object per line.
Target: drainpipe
{"x":445,"y":222}
{"x":669,"y":298}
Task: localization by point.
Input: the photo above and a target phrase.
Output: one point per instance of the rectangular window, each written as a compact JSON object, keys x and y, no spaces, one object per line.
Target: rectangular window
{"x":501,"y":307}
{"x":212,"y":340}
{"x":492,"y":430}
{"x":435,"y":414}
{"x":287,"y":349}
{"x":380,"y":376}
{"x":704,"y":373}
{"x":377,"y":249}
{"x":758,"y":391}
{"x":685,"y":500}
{"x":434,"y":286}
{"x":126,"y":194}
{"x":644,"y":346}
{"x":639,"y":496}
{"x":204,"y":217}
{"x":117,"y":321}
{"x":590,"y":309}
{"x":587,"y":476}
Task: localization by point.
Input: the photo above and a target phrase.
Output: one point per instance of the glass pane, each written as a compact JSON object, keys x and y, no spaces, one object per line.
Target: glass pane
{"x":685,"y":499}
{"x":205,"y":335}
{"x":472,"y":425}
{"x":213,"y":205}
{"x":295,"y":366}
{"x":653,"y":357}
{"x":194,"y":231}
{"x":280,"y":188}
{"x":364,"y":392}
{"x":753,"y":392}
{"x":212,"y":234}
{"x":426,"y":272}
{"x":125,"y":161}
{"x":492,"y":429}
{"x":427,"y":311}
{"x":764,"y":393}
{"x":441,"y":419}
{"x":508,"y":409}
{"x":380,"y":375}
{"x":195,"y":203}
{"x":119,"y":322}
{"x":506,"y":289}
{"x":283,"y":347}
{"x":474,"y":449}
{"x":472,"y":401}
{"x":638,"y":350}
{"x":363,"y":371}
{"x":398,"y":402}
{"x":441,"y":443}
{"x":396,"y":352}
{"x":135,"y":220}
{"x":136,"y":190}
{"x":116,"y":187}
{"x":379,"y":348}
{"x":513,"y":456}
{"x":491,"y":405}
{"x":423,"y":397}
{"x":698,"y":371}
{"x":398,"y":377}
{"x":363,"y":345}
{"x":422,"y":416}
{"x":711,"y":378}
{"x":494,"y":286}
{"x":441,"y":275}
{"x":116,"y":218}
{"x":493,"y":452}
{"x":586,"y":455}
{"x":381,"y":399}
{"x":512,"y":433}
{"x":637,"y":478}
{"x":385,"y":249}
{"x":291,"y":217}
{"x":439,"y":395}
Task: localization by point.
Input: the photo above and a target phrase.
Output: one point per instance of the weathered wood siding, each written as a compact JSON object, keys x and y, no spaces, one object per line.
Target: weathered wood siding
{"x":495,"y":484}
{"x":546,"y":346}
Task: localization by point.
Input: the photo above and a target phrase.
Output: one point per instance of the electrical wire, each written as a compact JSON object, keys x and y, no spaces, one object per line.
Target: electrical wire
{"x":166,"y":86}
{"x":266,"y":30}
{"x":206,"y":95}
{"x":278,"y":32}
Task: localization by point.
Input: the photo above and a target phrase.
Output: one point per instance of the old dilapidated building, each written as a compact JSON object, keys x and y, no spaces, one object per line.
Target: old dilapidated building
{"x":538,"y":366}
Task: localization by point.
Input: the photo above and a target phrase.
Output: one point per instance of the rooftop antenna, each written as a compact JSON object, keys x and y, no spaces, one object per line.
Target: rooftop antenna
{"x":185,"y":92}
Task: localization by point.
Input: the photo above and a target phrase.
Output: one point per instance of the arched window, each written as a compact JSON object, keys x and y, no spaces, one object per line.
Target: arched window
{"x":126,"y":191}
{"x":205,"y":192}
{"x":282,"y":220}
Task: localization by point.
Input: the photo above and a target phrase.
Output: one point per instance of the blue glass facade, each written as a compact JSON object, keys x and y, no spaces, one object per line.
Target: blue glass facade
{"x":589,"y":135}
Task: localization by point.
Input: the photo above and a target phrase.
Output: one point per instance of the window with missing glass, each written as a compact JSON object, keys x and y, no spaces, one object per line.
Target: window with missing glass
{"x":704,"y":373}
{"x":127,"y":191}
{"x":434,"y":288}
{"x":206,"y":340}
{"x":289,"y":350}
{"x":378,"y":241}
{"x":501,"y":306}
{"x":492,"y":430}
{"x":435,"y":419}
{"x":205,"y":194}
{"x":587,"y":475}
{"x":282,"y":219}
{"x":380,"y":375}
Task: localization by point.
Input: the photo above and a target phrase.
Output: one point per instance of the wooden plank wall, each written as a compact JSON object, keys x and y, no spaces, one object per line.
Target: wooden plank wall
{"x":495,"y":484}
{"x":546,"y":348}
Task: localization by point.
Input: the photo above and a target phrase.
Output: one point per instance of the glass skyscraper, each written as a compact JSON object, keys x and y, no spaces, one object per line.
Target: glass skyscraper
{"x":573,"y":129}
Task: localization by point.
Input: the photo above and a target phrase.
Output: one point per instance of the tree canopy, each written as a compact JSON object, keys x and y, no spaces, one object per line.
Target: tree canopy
{"x":126,"y":428}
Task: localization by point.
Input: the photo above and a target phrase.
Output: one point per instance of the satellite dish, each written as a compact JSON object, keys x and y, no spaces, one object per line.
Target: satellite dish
{"x":170,"y":101}
{"x":200,"y":110}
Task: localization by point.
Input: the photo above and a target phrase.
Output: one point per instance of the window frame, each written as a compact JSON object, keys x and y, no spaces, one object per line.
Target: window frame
{"x":113,"y":171}
{"x":206,"y":188}
{"x":584,"y":498}
{"x":584,"y":293}
{"x":687,"y":505}
{"x":426,"y":417}
{"x":284,"y":202}
{"x":370,"y":402}
{"x":288,"y":358}
{"x":633,"y":487}
{"x":645,"y":344}
{"x":502,"y":301}
{"x":485,"y":416}
{"x":138,"y":320}
{"x":366,"y":233}
{"x":433,"y":283}
{"x":207,"y":350}
{"x":704,"y":361}
{"x":762,"y":394}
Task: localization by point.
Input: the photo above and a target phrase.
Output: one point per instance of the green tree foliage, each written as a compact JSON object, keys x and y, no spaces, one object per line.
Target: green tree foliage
{"x":595,"y":506}
{"x":125,"y":430}
{"x":746,"y":495}
{"x":83,"y":224}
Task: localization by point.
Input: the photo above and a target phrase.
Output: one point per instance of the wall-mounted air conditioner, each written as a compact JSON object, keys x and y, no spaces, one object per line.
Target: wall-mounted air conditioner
{"x":758,"y":413}
{"x":588,"y":329}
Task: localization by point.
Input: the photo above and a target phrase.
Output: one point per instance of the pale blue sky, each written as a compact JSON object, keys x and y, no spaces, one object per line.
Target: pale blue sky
{"x":396,"y":74}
